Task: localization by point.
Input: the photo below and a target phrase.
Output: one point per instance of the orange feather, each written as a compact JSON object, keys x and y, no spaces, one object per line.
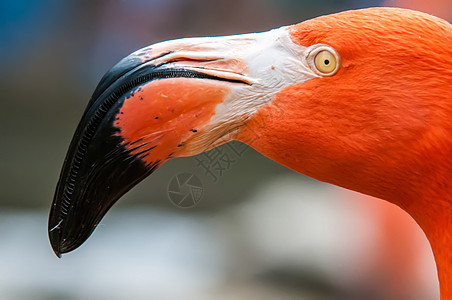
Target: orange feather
{"x":382,"y":125}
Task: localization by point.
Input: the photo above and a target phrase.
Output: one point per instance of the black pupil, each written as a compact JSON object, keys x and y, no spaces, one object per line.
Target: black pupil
{"x":327,"y":62}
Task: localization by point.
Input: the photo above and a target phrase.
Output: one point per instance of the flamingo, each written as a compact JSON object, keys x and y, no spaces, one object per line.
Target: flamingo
{"x":359,"y":99}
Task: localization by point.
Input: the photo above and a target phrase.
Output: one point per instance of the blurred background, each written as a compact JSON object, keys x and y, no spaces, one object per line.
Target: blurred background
{"x":259,"y":231}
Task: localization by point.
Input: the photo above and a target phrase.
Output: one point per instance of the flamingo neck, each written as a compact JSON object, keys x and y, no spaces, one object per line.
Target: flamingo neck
{"x":438,"y":229}
{"x":417,"y":180}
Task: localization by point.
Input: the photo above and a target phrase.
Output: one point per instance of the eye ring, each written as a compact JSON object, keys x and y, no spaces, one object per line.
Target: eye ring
{"x":324,"y":60}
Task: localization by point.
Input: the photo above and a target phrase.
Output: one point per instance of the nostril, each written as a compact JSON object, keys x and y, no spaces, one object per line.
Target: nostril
{"x":184,"y":56}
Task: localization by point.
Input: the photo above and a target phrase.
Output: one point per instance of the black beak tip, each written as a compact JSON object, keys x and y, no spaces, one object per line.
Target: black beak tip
{"x":99,"y":168}
{"x":55,"y":240}
{"x":56,"y":250}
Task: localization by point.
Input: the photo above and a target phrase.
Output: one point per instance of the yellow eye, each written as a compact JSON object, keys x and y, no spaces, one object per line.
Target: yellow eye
{"x":325,"y":62}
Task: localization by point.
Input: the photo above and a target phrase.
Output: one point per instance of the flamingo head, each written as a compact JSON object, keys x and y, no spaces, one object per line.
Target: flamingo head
{"x":352,"y":98}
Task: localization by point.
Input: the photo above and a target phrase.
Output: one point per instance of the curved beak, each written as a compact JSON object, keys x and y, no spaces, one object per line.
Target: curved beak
{"x":176,"y":98}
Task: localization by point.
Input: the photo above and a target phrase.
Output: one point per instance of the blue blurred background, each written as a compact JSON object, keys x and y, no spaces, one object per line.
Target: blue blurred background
{"x":260,"y":230}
